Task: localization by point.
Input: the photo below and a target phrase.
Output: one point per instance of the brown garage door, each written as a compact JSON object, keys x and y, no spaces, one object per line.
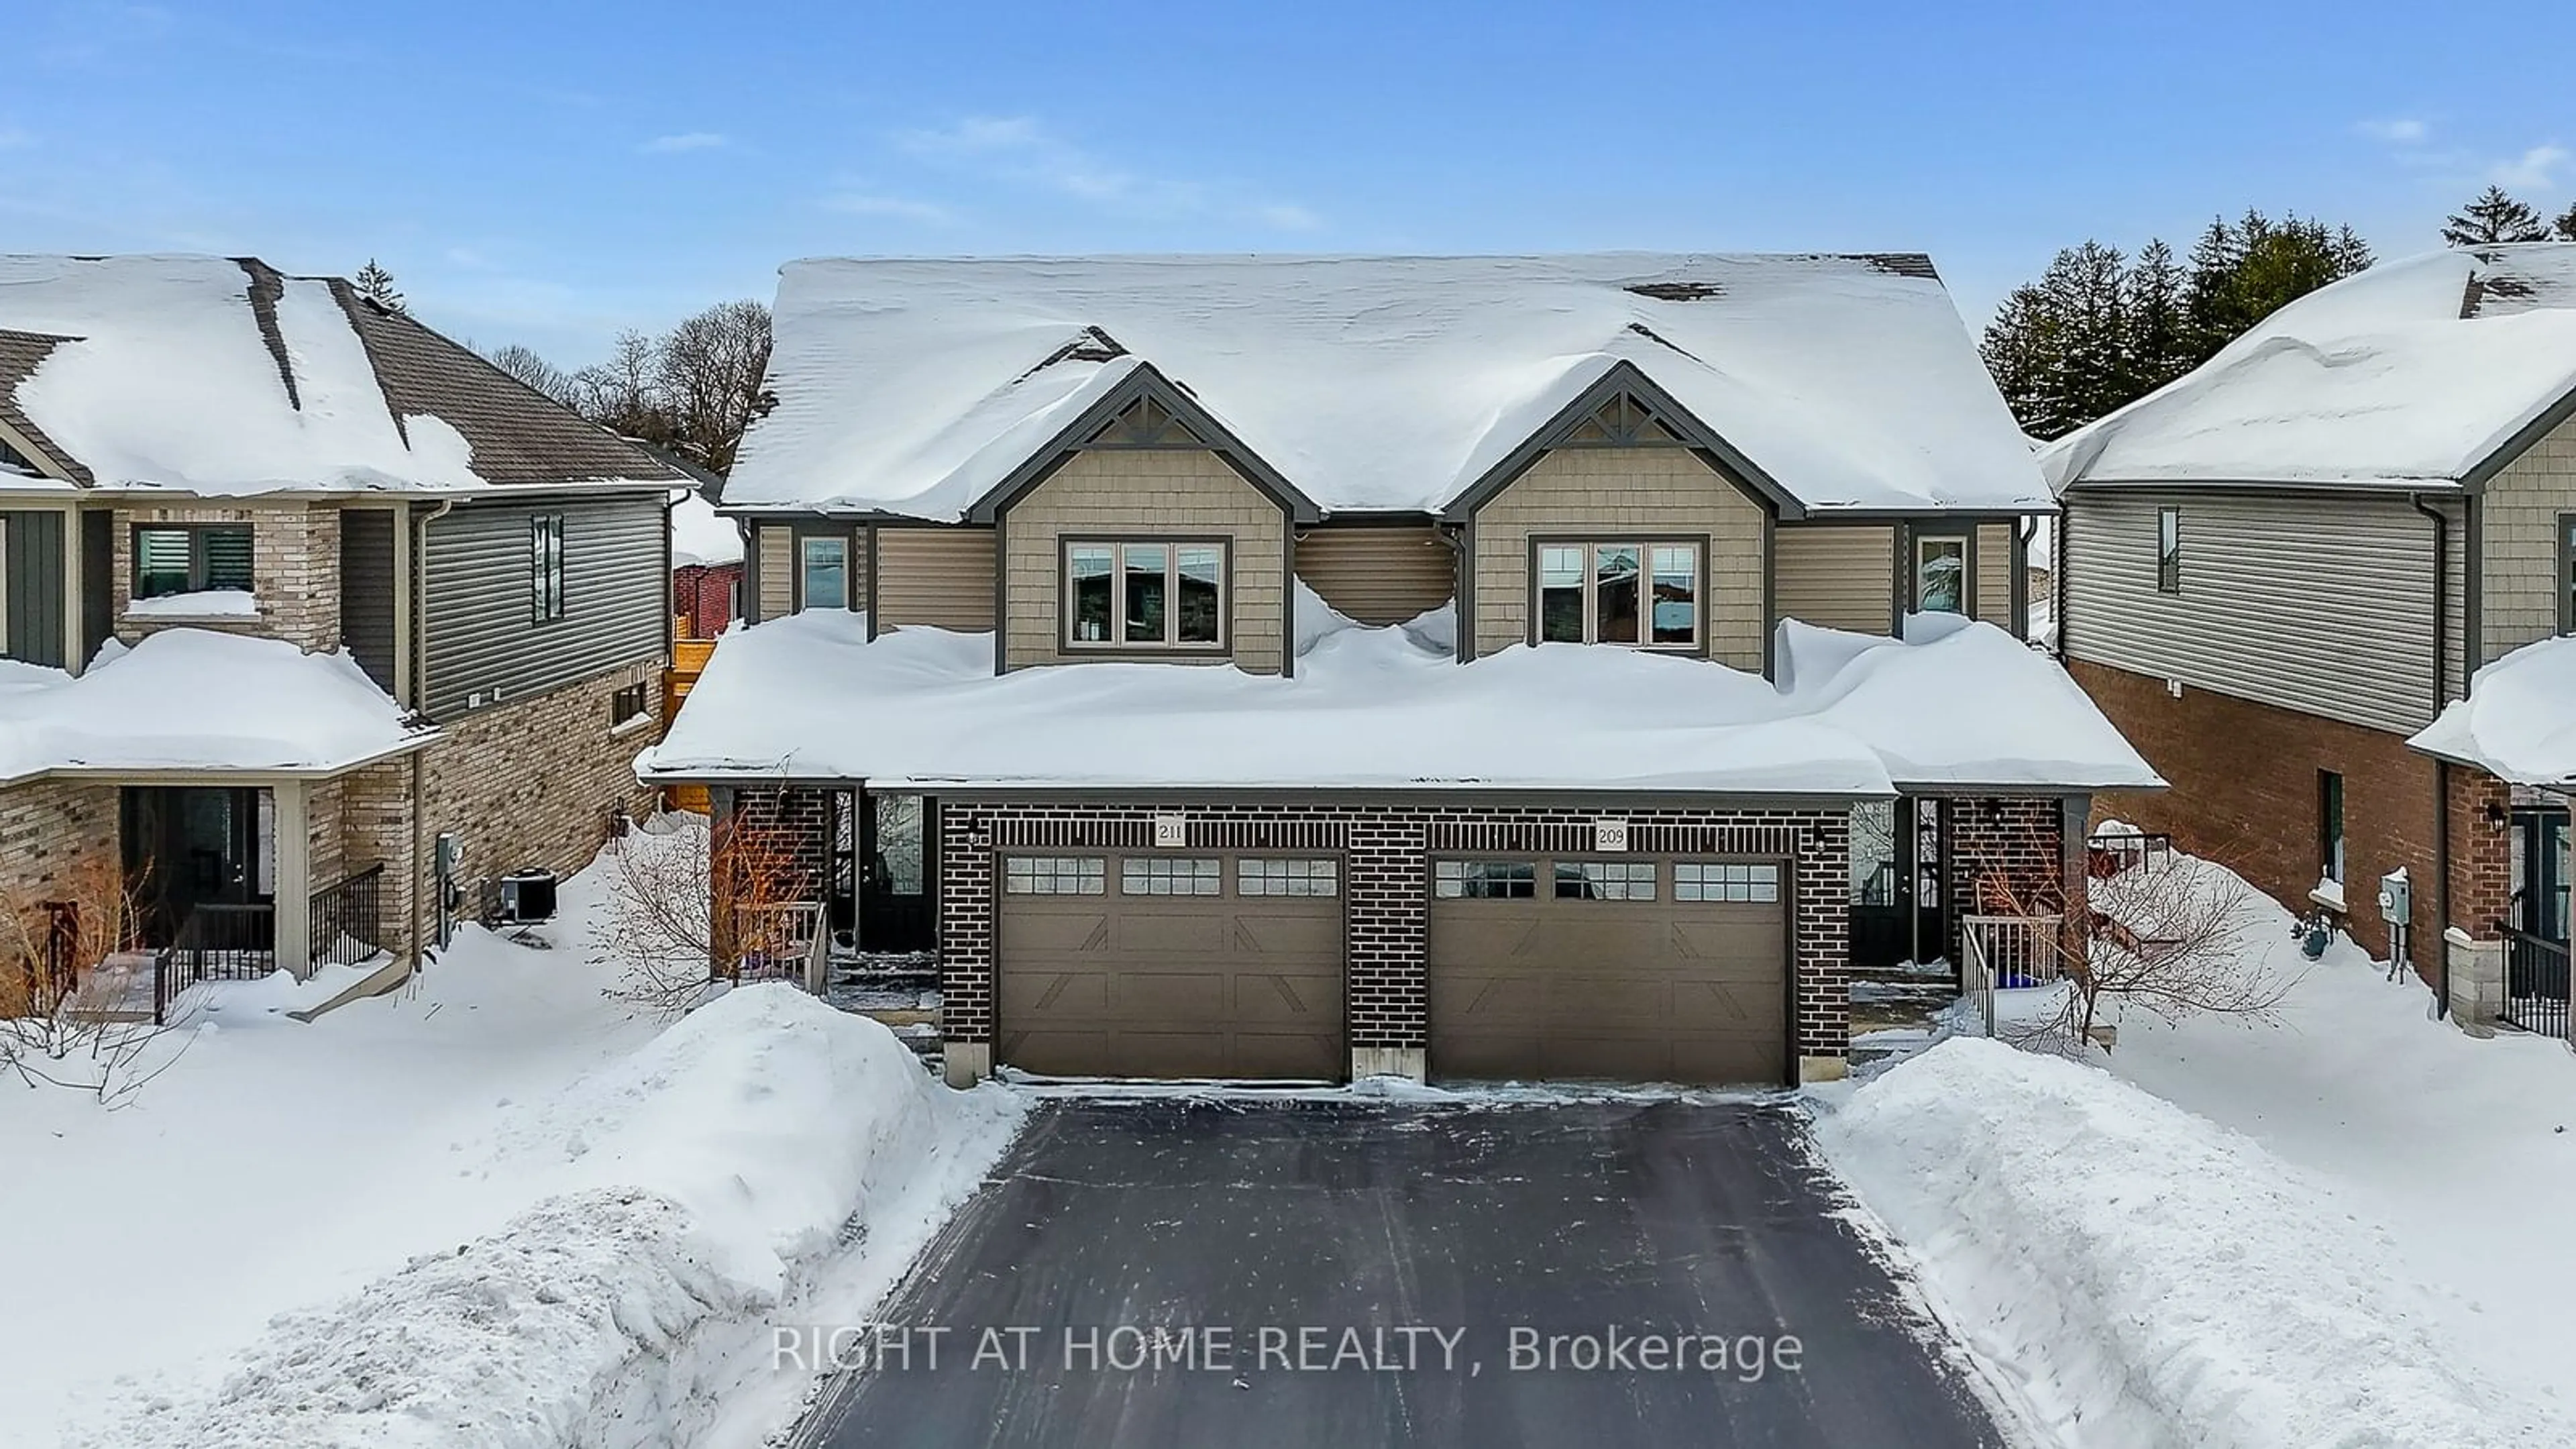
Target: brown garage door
{"x":1632,"y":968}
{"x":1168,"y":965}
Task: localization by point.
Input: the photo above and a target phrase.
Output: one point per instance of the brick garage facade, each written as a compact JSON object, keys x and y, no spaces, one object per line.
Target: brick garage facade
{"x":1386,"y":851}
{"x":2245,"y":781}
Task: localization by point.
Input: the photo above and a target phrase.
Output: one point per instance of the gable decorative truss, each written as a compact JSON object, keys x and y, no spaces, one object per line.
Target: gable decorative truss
{"x":1145,"y":410}
{"x":1625,"y":408}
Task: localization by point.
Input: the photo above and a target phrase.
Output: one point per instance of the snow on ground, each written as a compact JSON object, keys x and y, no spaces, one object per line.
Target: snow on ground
{"x":494,"y":1209}
{"x":2346,"y":1228}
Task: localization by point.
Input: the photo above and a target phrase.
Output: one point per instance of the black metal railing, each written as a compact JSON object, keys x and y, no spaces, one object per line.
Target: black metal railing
{"x":2536,"y":984}
{"x":2108,"y":855}
{"x":218,"y":941}
{"x":346,"y":919}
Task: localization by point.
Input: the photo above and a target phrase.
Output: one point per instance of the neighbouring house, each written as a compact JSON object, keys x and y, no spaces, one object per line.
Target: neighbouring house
{"x":706,"y":565}
{"x":1473,"y":667}
{"x":316,"y":623}
{"x":2294,"y":578}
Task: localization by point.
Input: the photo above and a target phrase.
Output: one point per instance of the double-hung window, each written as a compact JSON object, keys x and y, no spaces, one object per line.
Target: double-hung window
{"x":1644,"y":594}
{"x":1940,"y":573}
{"x":189,"y":559}
{"x":2169,"y":550}
{"x":1139,"y":594}
{"x":546,"y":567}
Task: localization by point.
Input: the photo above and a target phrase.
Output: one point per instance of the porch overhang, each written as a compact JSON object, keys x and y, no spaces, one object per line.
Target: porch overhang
{"x":149,"y":773}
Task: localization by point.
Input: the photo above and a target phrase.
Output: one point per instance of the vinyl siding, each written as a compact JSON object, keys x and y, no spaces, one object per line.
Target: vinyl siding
{"x":1603,"y":492}
{"x":1994,"y":575}
{"x":1147,"y":493}
{"x":937,"y":576}
{"x":775,"y":544}
{"x":2316,"y":604}
{"x":2518,"y":538}
{"x":477,"y":633}
{"x":367,"y":590}
{"x":1378,"y":574}
{"x":32,"y":571}
{"x":1840,"y":576}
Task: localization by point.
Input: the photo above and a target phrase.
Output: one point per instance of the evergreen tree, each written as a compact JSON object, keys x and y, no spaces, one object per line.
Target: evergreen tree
{"x":2088,"y":369}
{"x":377,"y":285}
{"x":2565,"y":226}
{"x":2158,"y":345}
{"x":2493,"y":217}
{"x":2017,"y":347}
{"x":2209,"y":318}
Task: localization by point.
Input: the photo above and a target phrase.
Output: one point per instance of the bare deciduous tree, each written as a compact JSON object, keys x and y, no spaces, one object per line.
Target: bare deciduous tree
{"x":66,"y":1019}
{"x":523,"y":363}
{"x":709,"y":371}
{"x":690,"y":904}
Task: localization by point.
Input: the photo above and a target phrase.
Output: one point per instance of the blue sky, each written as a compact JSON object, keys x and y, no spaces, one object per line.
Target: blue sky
{"x":549,"y":173}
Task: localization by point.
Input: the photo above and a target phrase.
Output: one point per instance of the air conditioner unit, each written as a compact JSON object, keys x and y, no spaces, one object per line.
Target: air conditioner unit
{"x":526,"y":898}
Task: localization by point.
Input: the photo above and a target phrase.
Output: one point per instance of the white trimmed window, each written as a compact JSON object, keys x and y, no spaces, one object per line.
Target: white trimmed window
{"x":1140,"y":594}
{"x":1496,"y":880}
{"x":1166,"y":875}
{"x":1605,"y":880}
{"x":1709,"y":881}
{"x":1287,"y":877}
{"x":546,"y":567}
{"x":823,"y":571}
{"x":1055,"y":875}
{"x":1643,"y":594}
{"x":1941,"y":573}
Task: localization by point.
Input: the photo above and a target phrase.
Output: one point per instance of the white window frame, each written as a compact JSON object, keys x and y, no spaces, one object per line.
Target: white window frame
{"x":1050,"y":875}
{"x":1172,"y":548}
{"x":1967,"y":560}
{"x":546,"y":568}
{"x":1171,"y":875}
{"x":1738,"y":882}
{"x":1449,"y":879}
{"x":1646,"y":546}
{"x":843,"y":542}
{"x":1605,"y":880}
{"x":1312,"y":878}
{"x":2169,"y":549}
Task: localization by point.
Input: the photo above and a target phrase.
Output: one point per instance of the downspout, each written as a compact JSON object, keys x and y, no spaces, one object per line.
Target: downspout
{"x":416,"y":586}
{"x":2441,"y":768}
{"x":2021,"y":576}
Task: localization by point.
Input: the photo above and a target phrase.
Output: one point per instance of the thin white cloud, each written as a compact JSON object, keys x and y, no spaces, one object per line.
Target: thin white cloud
{"x":1024,"y":151}
{"x":897,"y":208}
{"x":685,"y":141}
{"x":2397,"y":130}
{"x":2534,"y":170}
{"x":1287,"y":216}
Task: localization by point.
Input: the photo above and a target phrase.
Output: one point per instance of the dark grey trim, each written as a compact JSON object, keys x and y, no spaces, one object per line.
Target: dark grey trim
{"x":2021,"y":575}
{"x":2441,"y":884}
{"x":2283,"y":488}
{"x":869,"y":603}
{"x":1144,"y":383}
{"x":1625,"y":376}
{"x":670,"y":598}
{"x":2476,"y":479}
{"x":1067,"y":648}
{"x":1376,"y":518}
{"x":1770,"y":597}
{"x":2473,"y":590}
{"x":1466,"y":545}
{"x":2075,"y":826}
{"x":2442,"y":597}
{"x":751,"y":573}
{"x":841,"y":529}
{"x":1287,"y":601}
{"x":2059,"y":557}
{"x":1644,"y":541}
{"x":1001,"y":597}
{"x":2566,"y":614}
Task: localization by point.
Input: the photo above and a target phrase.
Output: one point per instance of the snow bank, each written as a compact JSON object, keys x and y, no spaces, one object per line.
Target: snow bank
{"x":2518,"y":722}
{"x":811,"y":696}
{"x":737,"y":1156}
{"x":2414,"y":371}
{"x":252,"y":704}
{"x":2152,"y":1279}
{"x":916,"y":385}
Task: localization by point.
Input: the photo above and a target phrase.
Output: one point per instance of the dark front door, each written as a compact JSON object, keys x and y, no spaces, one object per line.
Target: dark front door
{"x":188,"y":846}
{"x":897,"y":884}
{"x":2540,"y":871}
{"x":1897,"y":911}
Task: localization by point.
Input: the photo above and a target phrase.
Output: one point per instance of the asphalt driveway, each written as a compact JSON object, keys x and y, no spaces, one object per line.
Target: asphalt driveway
{"x":1349,"y":1274}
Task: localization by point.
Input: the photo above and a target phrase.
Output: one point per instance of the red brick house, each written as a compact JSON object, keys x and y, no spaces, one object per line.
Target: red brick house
{"x":2278,"y":571}
{"x":706,"y":569}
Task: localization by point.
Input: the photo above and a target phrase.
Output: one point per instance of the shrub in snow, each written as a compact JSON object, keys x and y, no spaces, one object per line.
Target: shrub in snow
{"x":2148,"y":1278}
{"x":70,"y":1016}
{"x":658,"y":926}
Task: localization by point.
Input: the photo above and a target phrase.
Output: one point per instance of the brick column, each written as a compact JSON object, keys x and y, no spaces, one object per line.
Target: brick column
{"x":2018,"y":842}
{"x":2481,"y":894}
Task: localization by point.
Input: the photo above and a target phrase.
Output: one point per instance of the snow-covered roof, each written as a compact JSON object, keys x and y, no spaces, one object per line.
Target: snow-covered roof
{"x":220,"y":377}
{"x":914,"y":387}
{"x":194,"y":699}
{"x":2518,"y":722}
{"x":2411,"y":374}
{"x":810,"y":697}
{"x":700,"y":536}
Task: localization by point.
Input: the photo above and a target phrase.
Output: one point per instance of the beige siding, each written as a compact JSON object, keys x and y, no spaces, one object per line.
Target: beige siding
{"x":2518,"y":524}
{"x":2322,"y":605}
{"x":775,"y":544}
{"x":1148,"y":493}
{"x":936,"y":576}
{"x":1842,"y":577}
{"x":1994,"y":574}
{"x":1378,"y":575}
{"x":1591,"y":492}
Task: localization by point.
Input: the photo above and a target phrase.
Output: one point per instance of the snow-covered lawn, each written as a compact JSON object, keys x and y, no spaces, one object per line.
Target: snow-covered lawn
{"x":2346,"y":1228}
{"x":497,"y":1208}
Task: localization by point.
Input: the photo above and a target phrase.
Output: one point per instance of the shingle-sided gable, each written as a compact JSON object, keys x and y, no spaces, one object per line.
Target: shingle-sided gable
{"x":20,"y":352}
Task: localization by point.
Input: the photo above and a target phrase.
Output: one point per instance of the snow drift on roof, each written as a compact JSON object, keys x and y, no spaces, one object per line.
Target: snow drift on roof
{"x":915,"y":386}
{"x":2519,"y":720}
{"x":2412,"y":372}
{"x":810,"y":697}
{"x":193,"y":699}
{"x":698,"y":536}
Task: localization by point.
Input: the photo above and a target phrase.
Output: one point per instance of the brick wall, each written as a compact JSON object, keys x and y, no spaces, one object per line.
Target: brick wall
{"x":2245,"y":793}
{"x":2481,"y":854}
{"x":1386,"y":850}
{"x":2018,"y":843}
{"x":533,"y":783}
{"x":373,"y":815}
{"x":703,"y":594}
{"x":49,"y":832}
{"x":802,"y":819}
{"x":295,"y":571}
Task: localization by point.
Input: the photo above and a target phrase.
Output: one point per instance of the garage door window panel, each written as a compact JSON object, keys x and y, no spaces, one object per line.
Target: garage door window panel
{"x":1711,"y":881}
{"x":1489,"y":880}
{"x":1312,"y":878}
{"x":1055,"y":875}
{"x":1605,"y":880}
{"x":1158,"y":875}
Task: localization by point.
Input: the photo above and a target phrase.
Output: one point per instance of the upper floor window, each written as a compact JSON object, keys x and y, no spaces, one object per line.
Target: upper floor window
{"x":823,"y":571}
{"x":546,"y":567}
{"x":1134,"y":594}
{"x":1941,"y":573}
{"x":1645,"y":594}
{"x":2168,"y":550}
{"x":191,"y":558}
